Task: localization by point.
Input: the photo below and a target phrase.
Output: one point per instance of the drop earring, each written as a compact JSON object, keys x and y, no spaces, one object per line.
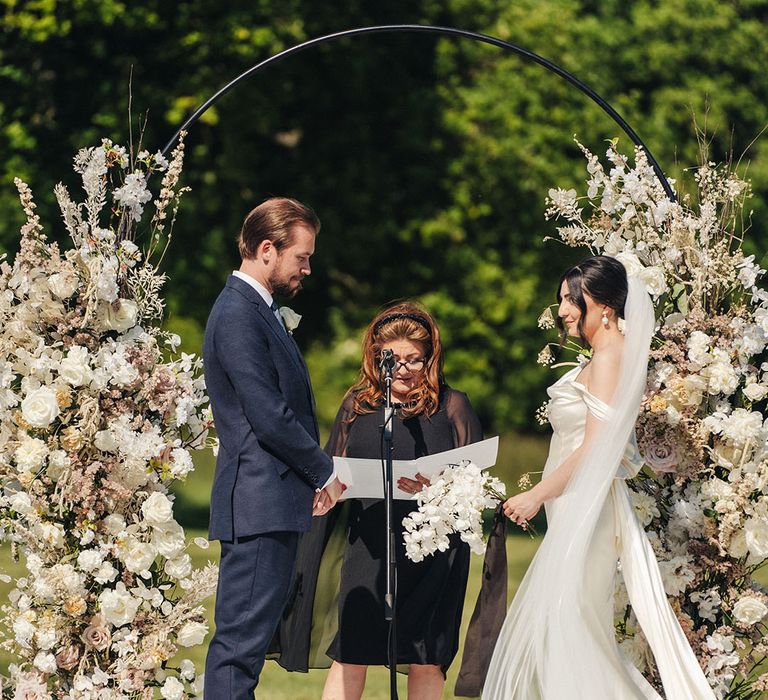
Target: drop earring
{"x":605,"y":319}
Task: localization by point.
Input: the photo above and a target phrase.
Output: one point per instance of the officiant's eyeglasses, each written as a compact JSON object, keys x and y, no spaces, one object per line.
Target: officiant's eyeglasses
{"x":410,"y":365}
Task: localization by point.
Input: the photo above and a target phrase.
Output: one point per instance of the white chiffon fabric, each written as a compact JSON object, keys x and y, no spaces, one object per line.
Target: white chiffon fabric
{"x":558,"y":640}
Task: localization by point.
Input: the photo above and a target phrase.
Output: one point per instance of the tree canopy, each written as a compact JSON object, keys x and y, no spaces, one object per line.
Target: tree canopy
{"x":427,"y":159}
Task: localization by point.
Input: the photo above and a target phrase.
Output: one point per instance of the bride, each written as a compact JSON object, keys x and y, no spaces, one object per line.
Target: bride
{"x":558,"y":642}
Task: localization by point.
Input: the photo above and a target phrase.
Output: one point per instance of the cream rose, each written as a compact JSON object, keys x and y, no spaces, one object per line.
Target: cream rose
{"x":63,"y":285}
{"x":192,"y":634}
{"x":749,"y":610}
{"x":157,"y":509}
{"x":118,"y":606}
{"x":756,"y":533}
{"x":40,"y":407}
{"x":119,"y":316}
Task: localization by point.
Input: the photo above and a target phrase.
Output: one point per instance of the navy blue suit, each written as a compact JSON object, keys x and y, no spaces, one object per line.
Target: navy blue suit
{"x":267,"y":470}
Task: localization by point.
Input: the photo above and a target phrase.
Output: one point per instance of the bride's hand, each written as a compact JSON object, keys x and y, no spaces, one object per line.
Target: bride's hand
{"x":522,"y":507}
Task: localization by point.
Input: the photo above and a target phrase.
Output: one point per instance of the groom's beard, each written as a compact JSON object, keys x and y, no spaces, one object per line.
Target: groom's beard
{"x":285,"y":288}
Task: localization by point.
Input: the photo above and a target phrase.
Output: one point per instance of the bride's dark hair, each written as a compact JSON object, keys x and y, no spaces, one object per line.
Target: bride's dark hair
{"x":602,"y":278}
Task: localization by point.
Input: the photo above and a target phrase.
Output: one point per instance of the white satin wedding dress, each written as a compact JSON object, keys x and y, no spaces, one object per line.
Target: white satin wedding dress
{"x":558,"y":640}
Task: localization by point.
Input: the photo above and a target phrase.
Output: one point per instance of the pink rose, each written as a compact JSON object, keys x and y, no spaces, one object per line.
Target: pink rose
{"x":96,"y":635}
{"x":68,"y":657}
{"x":661,"y":456}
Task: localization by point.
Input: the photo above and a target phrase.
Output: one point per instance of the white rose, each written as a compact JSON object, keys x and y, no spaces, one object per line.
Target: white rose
{"x":645,"y":507}
{"x":172,"y":689}
{"x":30,"y":454}
{"x":40,"y":407}
{"x":21,"y":503}
{"x":52,"y":534}
{"x":46,"y":662}
{"x":192,"y":634}
{"x":114,"y":523}
{"x":58,"y":461}
{"x":755,"y":392}
{"x":756,"y":533}
{"x":119,"y":319}
{"x":74,"y":368}
{"x":179,"y":568}
{"x":157,"y":509}
{"x":721,"y":377}
{"x":168,"y":540}
{"x":24,"y":628}
{"x":632,"y":265}
{"x":749,"y":610}
{"x":187,"y":670}
{"x":106,"y":573}
{"x":118,"y":606}
{"x":181,"y":463}
{"x":737,"y":547}
{"x":105,"y":441}
{"x":138,"y":556}
{"x":63,"y":285}
{"x":654,"y":280}
{"x":90,"y":559}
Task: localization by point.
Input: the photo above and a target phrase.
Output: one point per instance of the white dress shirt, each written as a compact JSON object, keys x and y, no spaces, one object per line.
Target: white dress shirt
{"x":267,"y":297}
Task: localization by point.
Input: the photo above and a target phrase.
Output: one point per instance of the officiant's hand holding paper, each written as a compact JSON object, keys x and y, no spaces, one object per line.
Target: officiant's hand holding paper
{"x":412,"y":486}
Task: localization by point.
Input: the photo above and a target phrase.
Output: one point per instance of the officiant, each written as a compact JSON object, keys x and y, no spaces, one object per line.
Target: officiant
{"x":335,"y":615}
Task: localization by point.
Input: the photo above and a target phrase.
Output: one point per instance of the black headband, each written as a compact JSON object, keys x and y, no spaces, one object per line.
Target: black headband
{"x":396,"y":317}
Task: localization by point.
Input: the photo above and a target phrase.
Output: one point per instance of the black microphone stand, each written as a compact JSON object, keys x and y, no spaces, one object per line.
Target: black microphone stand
{"x":390,"y":598}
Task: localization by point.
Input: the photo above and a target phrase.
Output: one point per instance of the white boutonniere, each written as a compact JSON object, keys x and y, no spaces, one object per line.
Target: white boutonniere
{"x":290,"y":318}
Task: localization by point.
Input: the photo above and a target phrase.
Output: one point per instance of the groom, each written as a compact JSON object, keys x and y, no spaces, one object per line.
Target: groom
{"x":271,"y":475}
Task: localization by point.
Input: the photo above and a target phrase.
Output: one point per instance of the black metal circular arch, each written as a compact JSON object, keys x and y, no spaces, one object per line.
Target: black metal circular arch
{"x":444,"y":31}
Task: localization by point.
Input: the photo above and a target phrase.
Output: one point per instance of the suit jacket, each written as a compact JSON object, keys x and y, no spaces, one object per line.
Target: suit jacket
{"x":269,"y":462}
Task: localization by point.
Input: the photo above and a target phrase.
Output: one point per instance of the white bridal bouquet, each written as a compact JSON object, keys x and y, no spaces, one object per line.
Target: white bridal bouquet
{"x":452,"y":504}
{"x":702,"y":429}
{"x":99,"y":415}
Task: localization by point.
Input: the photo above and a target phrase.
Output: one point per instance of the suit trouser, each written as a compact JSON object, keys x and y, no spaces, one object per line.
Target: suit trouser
{"x":254,"y":579}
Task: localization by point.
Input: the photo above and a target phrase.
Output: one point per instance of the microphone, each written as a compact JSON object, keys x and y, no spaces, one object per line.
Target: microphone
{"x":387,"y":363}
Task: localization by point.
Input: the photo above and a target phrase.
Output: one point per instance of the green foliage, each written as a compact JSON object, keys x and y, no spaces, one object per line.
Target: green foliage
{"x":427,"y":159}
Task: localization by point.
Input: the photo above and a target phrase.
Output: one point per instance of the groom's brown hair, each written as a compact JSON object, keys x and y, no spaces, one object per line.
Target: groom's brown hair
{"x":273,"y":220}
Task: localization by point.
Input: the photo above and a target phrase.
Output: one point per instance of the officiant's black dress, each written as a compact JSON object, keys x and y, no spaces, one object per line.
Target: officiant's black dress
{"x":430,"y":594}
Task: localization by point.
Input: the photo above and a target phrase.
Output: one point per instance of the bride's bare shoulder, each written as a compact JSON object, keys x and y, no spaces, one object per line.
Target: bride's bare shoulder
{"x":605,"y":368}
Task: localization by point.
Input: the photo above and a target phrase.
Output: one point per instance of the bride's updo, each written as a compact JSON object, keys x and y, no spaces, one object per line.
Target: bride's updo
{"x":602,"y":278}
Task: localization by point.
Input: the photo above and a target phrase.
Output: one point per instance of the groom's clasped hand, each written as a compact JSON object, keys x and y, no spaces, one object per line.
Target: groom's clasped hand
{"x":326,"y":498}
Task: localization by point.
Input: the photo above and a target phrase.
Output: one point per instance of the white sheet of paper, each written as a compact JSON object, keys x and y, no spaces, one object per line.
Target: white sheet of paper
{"x":364,"y":477}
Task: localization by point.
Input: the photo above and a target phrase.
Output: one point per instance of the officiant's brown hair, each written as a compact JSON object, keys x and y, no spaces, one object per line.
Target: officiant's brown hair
{"x":403,"y":321}
{"x":273,"y":220}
